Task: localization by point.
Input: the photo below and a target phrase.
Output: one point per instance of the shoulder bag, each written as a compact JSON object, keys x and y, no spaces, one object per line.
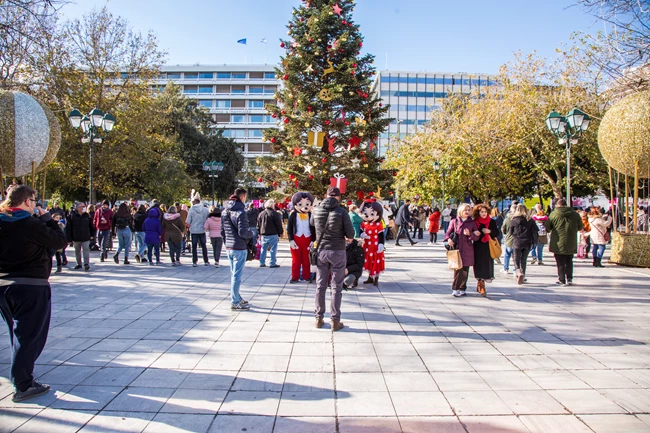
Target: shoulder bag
{"x":313,"y":251}
{"x":495,"y":248}
{"x":454,"y":259}
{"x":605,"y":235}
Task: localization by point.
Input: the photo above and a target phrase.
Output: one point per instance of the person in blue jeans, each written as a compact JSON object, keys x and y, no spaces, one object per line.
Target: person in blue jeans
{"x":505,"y":229}
{"x":236,"y":235}
{"x":123,"y":224}
{"x":153,"y":230}
{"x":138,"y":220}
{"x":269,"y":225}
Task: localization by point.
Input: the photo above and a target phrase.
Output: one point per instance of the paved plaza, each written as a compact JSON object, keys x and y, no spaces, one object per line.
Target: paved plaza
{"x":156,"y":349}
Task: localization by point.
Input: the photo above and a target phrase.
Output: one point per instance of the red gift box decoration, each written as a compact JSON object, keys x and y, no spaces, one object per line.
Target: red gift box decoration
{"x":339,"y":181}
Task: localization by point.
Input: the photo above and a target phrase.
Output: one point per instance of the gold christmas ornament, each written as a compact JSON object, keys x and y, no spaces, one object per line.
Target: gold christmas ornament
{"x":307,"y":125}
{"x":365,"y":180}
{"x":624,"y":134}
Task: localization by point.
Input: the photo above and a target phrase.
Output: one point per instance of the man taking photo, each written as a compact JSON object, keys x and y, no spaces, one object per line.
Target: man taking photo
{"x":333,"y":225}
{"x":25,"y":296}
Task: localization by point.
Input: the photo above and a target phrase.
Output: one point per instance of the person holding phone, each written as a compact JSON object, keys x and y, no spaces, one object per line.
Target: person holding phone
{"x":26,"y":245}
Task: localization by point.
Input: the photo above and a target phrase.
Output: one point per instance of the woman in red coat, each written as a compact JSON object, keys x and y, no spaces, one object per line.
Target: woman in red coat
{"x":434,"y":226}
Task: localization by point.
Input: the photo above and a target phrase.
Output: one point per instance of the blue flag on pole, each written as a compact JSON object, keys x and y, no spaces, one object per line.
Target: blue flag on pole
{"x":242,"y":41}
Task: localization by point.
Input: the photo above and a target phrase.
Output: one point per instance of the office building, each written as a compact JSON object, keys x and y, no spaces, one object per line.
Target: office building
{"x":235,"y":95}
{"x":412,"y":96}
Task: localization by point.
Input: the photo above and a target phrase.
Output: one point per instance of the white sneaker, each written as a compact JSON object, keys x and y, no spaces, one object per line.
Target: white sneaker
{"x":430,"y":243}
{"x":455,"y":293}
{"x":504,"y":271}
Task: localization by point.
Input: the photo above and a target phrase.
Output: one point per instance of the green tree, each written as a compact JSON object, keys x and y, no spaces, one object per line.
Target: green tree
{"x":326,"y":88}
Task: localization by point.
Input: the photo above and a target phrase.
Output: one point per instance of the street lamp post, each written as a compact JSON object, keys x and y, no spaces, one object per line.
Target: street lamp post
{"x":90,"y":124}
{"x":568,"y":129}
{"x":213,"y":168}
{"x":444,"y":172}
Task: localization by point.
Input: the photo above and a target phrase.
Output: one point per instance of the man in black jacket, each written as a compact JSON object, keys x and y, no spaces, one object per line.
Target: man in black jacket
{"x":236,"y":234}
{"x":333,"y":225}
{"x":253,"y":213}
{"x":269,"y":225}
{"x":354,"y":266}
{"x":79,"y":231}
{"x":403,"y":221}
{"x":25,"y":267}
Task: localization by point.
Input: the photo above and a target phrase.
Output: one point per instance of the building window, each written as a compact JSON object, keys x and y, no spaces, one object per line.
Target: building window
{"x":206,"y":75}
{"x":269,"y":75}
{"x":255,"y":133}
{"x":205,"y":89}
{"x":190,"y":89}
{"x":269,"y":90}
{"x":223,"y":118}
{"x":260,"y":118}
{"x":255,"y":89}
{"x":223,"y":75}
{"x":255,"y":75}
{"x":225,"y":133}
{"x":238,"y":89}
{"x":238,"y":118}
{"x":191,"y":75}
{"x":221,"y":103}
{"x":239,"y":75}
{"x":207,"y":103}
{"x":238,"y":103}
{"x":238,"y":133}
{"x":255,"y":147}
{"x":255,"y":104}
{"x":173,"y":75}
{"x":224,"y":90}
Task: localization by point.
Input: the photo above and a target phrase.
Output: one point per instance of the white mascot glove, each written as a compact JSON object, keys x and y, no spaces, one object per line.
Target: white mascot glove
{"x":364,"y":236}
{"x":293,"y":245}
{"x":380,"y":248}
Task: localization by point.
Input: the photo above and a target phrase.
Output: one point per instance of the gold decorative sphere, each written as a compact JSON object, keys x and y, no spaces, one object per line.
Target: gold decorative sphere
{"x":624,"y":135}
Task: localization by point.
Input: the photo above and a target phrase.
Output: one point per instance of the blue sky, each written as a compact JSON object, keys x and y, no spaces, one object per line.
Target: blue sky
{"x":433,"y":35}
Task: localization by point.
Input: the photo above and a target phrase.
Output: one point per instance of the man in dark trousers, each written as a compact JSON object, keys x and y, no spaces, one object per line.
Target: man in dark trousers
{"x":25,"y":267}
{"x":332,"y":224}
{"x":403,"y":221}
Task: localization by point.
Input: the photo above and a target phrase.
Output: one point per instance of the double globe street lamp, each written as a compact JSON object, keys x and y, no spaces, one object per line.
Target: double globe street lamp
{"x":213,"y":168}
{"x":90,"y":124}
{"x":568,"y":129}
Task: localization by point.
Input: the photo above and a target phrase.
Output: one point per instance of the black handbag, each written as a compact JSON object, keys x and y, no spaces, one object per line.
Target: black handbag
{"x":313,"y":251}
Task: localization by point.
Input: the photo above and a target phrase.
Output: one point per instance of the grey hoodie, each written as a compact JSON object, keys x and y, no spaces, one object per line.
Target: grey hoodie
{"x":196,"y":217}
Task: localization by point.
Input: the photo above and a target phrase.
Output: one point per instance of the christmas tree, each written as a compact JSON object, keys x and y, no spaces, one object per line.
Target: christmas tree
{"x":328,"y":122}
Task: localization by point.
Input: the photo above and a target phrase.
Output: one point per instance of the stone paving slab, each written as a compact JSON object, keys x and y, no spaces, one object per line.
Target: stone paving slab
{"x":157,"y":349}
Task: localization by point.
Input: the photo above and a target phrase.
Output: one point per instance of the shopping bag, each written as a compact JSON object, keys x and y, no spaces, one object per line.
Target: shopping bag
{"x":495,"y":248}
{"x":454,"y":259}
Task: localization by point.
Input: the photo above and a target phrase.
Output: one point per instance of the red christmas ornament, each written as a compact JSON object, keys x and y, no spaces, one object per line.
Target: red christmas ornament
{"x":292,"y":176}
{"x":344,"y":22}
{"x":354,"y":65}
{"x":324,"y":160}
{"x":361,"y":44}
{"x":370,"y":194}
{"x":273,"y":140}
{"x":302,"y":19}
{"x":309,"y":108}
{"x":283,"y":112}
{"x":297,"y":151}
{"x":310,"y":39}
{"x":364,"y":159}
{"x":360,"y":195}
{"x":347,"y":123}
{"x":349,"y":202}
{"x":295,"y":182}
{"x":390,"y":192}
{"x":327,"y":122}
{"x":351,"y":72}
{"x":381,"y":105}
{"x":285,"y":77}
{"x":394,"y":173}
{"x":365,"y":95}
{"x":362,"y":153}
{"x":282,"y":45}
{"x":274,"y":115}
{"x":275,"y":184}
{"x":311,"y":177}
{"x":260,"y":180}
{"x":286,"y":120}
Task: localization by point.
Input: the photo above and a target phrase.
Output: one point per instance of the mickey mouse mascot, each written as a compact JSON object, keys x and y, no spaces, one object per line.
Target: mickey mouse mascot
{"x":301,"y":236}
{"x":373,"y":240}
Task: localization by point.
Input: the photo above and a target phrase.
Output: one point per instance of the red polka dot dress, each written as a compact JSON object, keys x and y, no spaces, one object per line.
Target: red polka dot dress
{"x":374,"y":261}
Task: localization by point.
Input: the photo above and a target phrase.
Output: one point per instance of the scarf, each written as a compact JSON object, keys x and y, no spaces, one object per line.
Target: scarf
{"x":485,"y":222}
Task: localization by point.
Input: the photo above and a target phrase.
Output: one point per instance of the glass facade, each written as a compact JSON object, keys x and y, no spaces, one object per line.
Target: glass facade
{"x":237,"y":99}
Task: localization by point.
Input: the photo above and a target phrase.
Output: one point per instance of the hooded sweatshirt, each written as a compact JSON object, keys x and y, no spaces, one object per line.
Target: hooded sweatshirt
{"x":24,"y":244}
{"x":152,"y":227}
{"x":234,"y":225}
{"x":196,"y":217}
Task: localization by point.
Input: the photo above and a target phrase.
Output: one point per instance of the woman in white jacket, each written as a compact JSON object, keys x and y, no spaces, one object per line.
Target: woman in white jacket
{"x":599,"y":235}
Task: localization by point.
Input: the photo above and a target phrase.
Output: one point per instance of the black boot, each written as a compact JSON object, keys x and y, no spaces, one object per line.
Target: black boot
{"x":376,"y":282}
{"x":368,"y":281}
{"x":599,"y":263}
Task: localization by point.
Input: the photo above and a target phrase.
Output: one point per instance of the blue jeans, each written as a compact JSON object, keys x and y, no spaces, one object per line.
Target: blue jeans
{"x":445,"y":226}
{"x":506,"y":258}
{"x":269,"y":241}
{"x":140,"y":245}
{"x":237,"y":260}
{"x":255,"y":235}
{"x":124,"y":242}
{"x":538,"y":252}
{"x":103,"y":239}
{"x":151,"y":248}
{"x":598,"y":251}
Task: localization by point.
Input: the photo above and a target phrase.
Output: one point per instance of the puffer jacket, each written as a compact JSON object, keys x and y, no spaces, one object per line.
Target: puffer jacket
{"x":213,"y":225}
{"x":355,"y":258}
{"x":564,"y":223}
{"x":599,"y":227}
{"x":173,"y":227}
{"x":196,"y":217}
{"x":152,"y":227}
{"x":138,"y":220}
{"x":524,"y":233}
{"x":234,"y":225}
{"x":333,"y":230}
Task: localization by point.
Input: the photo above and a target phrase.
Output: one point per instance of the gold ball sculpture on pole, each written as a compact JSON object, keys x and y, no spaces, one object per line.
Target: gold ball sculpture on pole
{"x":624,"y":142}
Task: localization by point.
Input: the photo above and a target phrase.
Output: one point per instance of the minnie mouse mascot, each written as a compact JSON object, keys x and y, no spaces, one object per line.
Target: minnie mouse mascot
{"x":301,"y":236}
{"x":373,"y":236}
